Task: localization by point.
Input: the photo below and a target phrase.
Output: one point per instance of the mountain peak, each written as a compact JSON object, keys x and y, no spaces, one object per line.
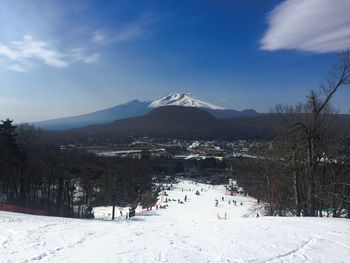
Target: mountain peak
{"x":183,"y":99}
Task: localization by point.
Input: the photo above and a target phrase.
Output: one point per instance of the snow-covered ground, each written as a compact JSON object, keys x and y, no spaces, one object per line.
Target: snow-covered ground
{"x":189,"y":232}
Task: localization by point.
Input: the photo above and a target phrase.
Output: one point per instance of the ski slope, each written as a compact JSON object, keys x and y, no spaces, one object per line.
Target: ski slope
{"x":189,"y":232}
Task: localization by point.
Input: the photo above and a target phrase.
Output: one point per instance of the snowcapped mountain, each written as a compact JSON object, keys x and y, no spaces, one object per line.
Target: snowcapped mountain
{"x":183,"y":99}
{"x":137,"y":108}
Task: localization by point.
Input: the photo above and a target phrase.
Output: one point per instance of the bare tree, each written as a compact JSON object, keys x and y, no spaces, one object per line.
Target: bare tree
{"x":310,"y":145}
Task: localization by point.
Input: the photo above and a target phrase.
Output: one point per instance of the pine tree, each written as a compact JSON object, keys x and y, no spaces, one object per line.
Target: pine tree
{"x":9,"y":156}
{"x":8,"y":144}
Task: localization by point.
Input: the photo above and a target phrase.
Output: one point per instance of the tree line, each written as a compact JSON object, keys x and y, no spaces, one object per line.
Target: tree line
{"x":64,"y":182}
{"x":307,"y":173}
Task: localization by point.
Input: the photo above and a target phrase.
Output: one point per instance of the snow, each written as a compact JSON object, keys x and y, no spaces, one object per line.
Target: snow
{"x":183,"y":99}
{"x":188,"y":232}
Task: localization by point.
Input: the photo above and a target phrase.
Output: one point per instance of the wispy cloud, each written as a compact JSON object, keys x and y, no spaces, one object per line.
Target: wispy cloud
{"x":91,"y":58}
{"x":18,"y":67}
{"x":316,"y":26}
{"x":98,"y":36}
{"x":28,"y":50}
{"x":130,"y":31}
{"x":79,"y":54}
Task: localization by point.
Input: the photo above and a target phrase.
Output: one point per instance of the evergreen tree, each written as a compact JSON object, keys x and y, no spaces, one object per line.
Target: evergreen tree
{"x":8,"y":144}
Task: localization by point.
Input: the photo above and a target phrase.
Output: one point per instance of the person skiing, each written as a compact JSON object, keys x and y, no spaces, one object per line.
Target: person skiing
{"x":185,"y":198}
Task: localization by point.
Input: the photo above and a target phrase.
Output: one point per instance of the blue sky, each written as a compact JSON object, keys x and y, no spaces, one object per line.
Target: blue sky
{"x":61,"y":58}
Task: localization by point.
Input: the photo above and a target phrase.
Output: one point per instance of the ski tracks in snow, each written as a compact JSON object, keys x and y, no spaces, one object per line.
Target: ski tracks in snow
{"x":38,"y":242}
{"x":189,"y":232}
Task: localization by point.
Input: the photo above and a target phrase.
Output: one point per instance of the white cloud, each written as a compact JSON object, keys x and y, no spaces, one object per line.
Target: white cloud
{"x":28,"y":50}
{"x":8,"y":52}
{"x":18,"y":67}
{"x":131,"y":31}
{"x":92,"y":58}
{"x":316,"y":26}
{"x":79,"y":54}
{"x":127,"y":32}
{"x":98,"y":37}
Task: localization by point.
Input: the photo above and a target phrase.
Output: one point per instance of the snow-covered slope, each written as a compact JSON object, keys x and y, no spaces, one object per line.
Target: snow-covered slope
{"x":189,"y":232}
{"x":183,"y":99}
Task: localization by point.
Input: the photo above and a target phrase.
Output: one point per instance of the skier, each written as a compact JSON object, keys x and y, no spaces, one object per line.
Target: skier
{"x":185,"y":198}
{"x":216,"y":202}
{"x":222,"y":199}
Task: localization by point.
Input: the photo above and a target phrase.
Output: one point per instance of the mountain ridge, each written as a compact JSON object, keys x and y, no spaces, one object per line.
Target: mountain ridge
{"x":176,"y":121}
{"x":135,"y":108}
{"x":183,"y":99}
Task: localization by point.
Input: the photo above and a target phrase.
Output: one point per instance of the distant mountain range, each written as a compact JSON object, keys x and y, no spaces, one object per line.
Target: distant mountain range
{"x":127,"y":110}
{"x":185,"y":123}
{"x":137,"y":108}
{"x":180,"y":122}
{"x":193,"y":123}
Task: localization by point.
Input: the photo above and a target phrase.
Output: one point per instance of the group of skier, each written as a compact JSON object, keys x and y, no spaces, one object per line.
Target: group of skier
{"x":229,"y":201}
